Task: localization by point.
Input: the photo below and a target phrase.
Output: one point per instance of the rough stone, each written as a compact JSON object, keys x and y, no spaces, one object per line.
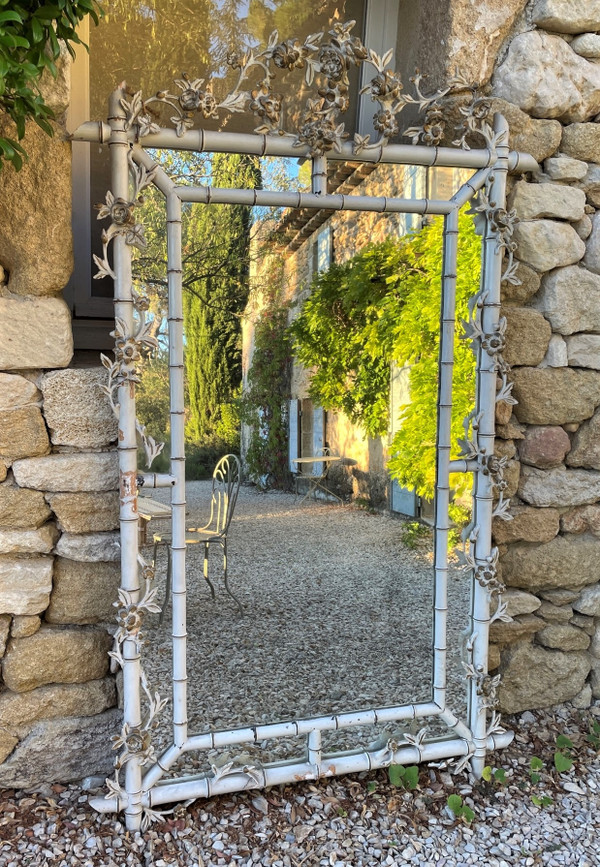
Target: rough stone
{"x":25,"y":584}
{"x":56,"y":655}
{"x":494,"y":657}
{"x":22,"y":509}
{"x":595,"y":678}
{"x":77,"y":410}
{"x":586,"y":445}
{"x":588,"y":602}
{"x":519,"y":602}
{"x":89,"y":547}
{"x":585,"y":622}
{"x":16,"y":392}
{"x":569,"y":298}
{"x":563,"y":636}
{"x":555,"y":613}
{"x":7,"y":744}
{"x":512,"y":473}
{"x":503,"y":412}
{"x":565,"y":561}
{"x":24,"y":625}
{"x":547,"y":244}
{"x":63,"y":750}
{"x":3,"y":471}
{"x":527,"y":525}
{"x":552,"y":395}
{"x":39,"y":541}
{"x":587,"y":45}
{"x":5,"y":621}
{"x":86,"y":512}
{"x":556,"y":356}
{"x":535,"y":677}
{"x":23,"y":433}
{"x":57,"y":700}
{"x":581,"y":141}
{"x":35,"y":233}
{"x":555,"y":201}
{"x":591,"y":186}
{"x":544,"y":447}
{"x":93,"y":471}
{"x":36,"y":332}
{"x":591,"y":260}
{"x":540,"y":138}
{"x":56,"y":90}
{"x":505,"y":449}
{"x":583,"y":699}
{"x":565,"y":169}
{"x":583,"y":227}
{"x":527,"y":336}
{"x":546,"y":78}
{"x":529,"y":284}
{"x":510,"y":431}
{"x":518,"y":629}
{"x":560,"y":596}
{"x":583,"y":350}
{"x":567,"y":16}
{"x":83,"y":592}
{"x":559,"y":487}
{"x":581,"y":519}
{"x":595,"y":645}
{"x":477,"y":32}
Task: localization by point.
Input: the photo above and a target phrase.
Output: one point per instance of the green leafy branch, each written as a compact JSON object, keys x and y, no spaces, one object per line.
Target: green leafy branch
{"x":383,"y":306}
{"x":30,"y":42}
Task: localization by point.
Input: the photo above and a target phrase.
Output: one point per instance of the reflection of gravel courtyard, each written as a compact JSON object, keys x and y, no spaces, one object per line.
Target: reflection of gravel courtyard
{"x":337,"y":617}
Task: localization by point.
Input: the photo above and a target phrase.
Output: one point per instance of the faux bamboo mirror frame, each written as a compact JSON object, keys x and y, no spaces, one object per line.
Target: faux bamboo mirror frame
{"x":142,"y":782}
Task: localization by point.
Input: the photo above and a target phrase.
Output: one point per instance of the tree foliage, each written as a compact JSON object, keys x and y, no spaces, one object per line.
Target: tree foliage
{"x":265,"y":399}
{"x":383,"y":306}
{"x":30,"y":34}
{"x":212,"y":311}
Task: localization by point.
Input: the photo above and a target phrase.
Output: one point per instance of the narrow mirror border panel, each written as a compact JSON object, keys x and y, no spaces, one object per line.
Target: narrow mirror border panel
{"x":138,"y":786}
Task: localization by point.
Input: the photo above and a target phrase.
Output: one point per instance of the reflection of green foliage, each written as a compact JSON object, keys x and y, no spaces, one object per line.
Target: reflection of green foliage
{"x":266,"y":396}
{"x":30,"y":34}
{"x":213,"y":309}
{"x":383,"y":306}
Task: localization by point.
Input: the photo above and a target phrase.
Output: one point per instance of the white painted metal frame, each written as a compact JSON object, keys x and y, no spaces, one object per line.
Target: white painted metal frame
{"x":144,"y":785}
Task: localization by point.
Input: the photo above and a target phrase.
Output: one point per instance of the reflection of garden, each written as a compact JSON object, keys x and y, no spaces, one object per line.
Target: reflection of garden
{"x":337,"y":617}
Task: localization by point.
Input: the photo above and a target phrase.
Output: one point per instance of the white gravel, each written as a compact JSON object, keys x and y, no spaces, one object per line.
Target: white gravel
{"x":326,"y":590}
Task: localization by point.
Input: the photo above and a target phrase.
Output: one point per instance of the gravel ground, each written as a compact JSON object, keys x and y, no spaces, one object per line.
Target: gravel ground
{"x":333,"y":605}
{"x":337,"y":617}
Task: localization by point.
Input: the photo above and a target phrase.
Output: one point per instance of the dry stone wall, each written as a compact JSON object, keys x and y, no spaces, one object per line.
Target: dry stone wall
{"x":59,"y":548}
{"x":548,"y":86}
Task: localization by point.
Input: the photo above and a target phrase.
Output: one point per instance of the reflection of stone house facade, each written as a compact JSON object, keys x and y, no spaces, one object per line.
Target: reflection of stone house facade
{"x":58,"y":574}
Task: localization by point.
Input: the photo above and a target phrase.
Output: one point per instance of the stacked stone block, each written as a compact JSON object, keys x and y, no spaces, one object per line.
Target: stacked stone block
{"x":548,"y":86}
{"x":59,"y":550}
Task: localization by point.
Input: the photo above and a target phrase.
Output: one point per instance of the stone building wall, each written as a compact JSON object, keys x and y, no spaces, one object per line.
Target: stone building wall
{"x":59,"y":552}
{"x":547,"y":83}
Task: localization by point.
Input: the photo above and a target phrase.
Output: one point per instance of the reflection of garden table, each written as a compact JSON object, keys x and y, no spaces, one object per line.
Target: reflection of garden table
{"x":316,"y":481}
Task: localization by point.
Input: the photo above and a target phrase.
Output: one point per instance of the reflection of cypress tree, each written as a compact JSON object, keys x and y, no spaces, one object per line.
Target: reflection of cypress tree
{"x":213,"y":308}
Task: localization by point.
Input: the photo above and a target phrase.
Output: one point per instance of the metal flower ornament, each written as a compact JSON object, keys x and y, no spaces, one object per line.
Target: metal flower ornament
{"x":325,"y":60}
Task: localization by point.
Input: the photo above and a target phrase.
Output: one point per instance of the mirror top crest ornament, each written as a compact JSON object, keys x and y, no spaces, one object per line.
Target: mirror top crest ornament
{"x":325,"y":59}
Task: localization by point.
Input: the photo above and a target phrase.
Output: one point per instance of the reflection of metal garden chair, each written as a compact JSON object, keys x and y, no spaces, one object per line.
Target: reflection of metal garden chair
{"x":225,"y":487}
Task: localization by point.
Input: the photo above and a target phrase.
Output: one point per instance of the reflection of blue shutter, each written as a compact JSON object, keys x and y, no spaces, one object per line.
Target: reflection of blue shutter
{"x":318,"y":437}
{"x":293,"y":438}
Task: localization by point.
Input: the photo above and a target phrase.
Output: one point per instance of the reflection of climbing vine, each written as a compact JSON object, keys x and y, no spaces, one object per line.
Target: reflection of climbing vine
{"x":383,"y":306}
{"x":265,"y":400}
